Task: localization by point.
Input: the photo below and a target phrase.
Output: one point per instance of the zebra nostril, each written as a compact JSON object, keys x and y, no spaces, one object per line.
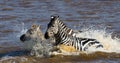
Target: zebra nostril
{"x":22,"y":38}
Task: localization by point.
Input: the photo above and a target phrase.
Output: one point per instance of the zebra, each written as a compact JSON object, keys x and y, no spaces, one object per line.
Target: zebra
{"x":33,"y":40}
{"x":33,"y":32}
{"x":62,"y":26}
{"x":61,"y":37}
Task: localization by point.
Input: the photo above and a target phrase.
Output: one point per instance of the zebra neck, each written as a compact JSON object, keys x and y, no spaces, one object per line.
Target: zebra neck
{"x":62,"y":37}
{"x":66,"y":30}
{"x":40,"y":35}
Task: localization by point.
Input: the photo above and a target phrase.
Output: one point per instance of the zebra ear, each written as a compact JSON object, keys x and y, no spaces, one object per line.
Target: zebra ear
{"x":38,"y":27}
{"x":54,"y":17}
{"x":33,"y":26}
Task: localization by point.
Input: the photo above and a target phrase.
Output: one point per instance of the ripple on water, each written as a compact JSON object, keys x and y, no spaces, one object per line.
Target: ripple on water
{"x":7,"y":9}
{"x":7,"y":17}
{"x":87,"y":58}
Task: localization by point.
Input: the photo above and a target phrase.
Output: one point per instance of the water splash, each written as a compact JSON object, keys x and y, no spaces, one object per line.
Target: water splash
{"x":21,"y":28}
{"x":41,"y":49}
{"x":38,"y":47}
{"x":110,"y":44}
{"x":10,"y":59}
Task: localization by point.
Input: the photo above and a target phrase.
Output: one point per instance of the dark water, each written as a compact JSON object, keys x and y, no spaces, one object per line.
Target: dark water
{"x":75,"y":13}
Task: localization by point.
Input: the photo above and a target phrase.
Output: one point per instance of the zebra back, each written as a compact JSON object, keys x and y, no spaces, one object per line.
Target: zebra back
{"x":80,"y":44}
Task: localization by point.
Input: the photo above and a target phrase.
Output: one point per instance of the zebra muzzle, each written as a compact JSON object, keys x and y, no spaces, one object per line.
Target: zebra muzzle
{"x":46,"y":36}
{"x":22,"y":38}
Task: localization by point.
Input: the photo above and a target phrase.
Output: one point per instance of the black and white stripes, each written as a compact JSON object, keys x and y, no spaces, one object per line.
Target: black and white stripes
{"x":66,"y":36}
{"x":80,"y":44}
{"x":63,"y":27}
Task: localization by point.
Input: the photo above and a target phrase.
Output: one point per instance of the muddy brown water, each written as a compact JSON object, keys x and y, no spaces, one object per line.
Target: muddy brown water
{"x":76,"y":14}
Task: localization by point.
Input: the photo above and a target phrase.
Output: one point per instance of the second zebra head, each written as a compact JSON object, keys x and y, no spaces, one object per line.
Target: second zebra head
{"x":31,"y":36}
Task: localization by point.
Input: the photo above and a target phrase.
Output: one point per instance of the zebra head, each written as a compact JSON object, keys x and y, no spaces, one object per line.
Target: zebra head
{"x":56,"y":25}
{"x":52,"y":27}
{"x":32,"y":34}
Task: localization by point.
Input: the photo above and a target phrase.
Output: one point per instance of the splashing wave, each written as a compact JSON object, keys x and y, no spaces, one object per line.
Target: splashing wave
{"x":110,"y":44}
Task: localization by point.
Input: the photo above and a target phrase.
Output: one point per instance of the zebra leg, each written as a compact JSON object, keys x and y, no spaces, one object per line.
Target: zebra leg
{"x":99,"y":46}
{"x":66,"y":48}
{"x":92,"y":43}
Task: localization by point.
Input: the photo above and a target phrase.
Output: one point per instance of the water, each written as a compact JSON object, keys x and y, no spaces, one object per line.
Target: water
{"x":97,"y":18}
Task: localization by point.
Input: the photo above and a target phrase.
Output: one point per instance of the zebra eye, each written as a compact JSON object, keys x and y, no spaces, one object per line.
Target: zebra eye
{"x":31,"y":32}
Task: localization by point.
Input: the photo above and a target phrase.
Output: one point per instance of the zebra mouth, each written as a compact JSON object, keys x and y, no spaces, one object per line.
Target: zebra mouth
{"x":46,"y":36}
{"x":23,"y":38}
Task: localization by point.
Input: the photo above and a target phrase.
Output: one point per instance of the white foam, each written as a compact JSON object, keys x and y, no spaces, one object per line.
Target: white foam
{"x":21,"y":28}
{"x":11,"y":59}
{"x":6,"y":58}
{"x":110,"y":44}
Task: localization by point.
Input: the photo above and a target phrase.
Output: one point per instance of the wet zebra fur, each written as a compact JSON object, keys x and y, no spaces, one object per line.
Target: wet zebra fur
{"x":64,"y":35}
{"x":80,"y":44}
{"x":62,"y":26}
